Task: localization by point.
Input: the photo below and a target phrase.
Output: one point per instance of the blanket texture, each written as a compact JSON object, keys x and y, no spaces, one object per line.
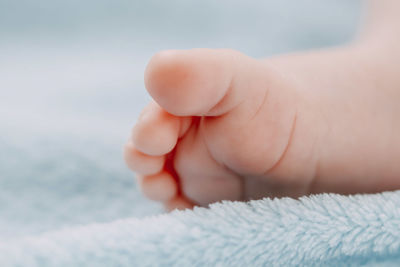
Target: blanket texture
{"x":323,"y":230}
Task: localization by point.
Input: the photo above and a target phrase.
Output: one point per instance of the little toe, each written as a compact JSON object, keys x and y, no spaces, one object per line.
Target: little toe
{"x":156,"y":131}
{"x":178,"y":203}
{"x":142,"y":163}
{"x":159,"y":187}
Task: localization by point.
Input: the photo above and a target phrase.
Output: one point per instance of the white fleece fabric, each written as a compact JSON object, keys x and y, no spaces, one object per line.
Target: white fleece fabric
{"x":323,"y":230}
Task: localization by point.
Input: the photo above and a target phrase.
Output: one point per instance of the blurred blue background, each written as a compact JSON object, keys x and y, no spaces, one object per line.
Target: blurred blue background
{"x":71,"y":88}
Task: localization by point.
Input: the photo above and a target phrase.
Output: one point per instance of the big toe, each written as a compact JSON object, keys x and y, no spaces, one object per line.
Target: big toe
{"x":193,"y":82}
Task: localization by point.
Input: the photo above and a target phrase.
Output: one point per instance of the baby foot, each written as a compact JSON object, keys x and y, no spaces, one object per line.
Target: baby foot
{"x":228,"y":127}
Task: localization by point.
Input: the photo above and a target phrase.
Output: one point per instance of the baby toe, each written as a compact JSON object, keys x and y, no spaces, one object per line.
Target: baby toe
{"x":156,"y":132}
{"x":159,"y":187}
{"x":142,"y":163}
{"x":178,"y":203}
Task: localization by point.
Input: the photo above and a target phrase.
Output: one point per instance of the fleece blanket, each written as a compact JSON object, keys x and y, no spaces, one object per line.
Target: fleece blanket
{"x":71,"y":87}
{"x":324,"y":230}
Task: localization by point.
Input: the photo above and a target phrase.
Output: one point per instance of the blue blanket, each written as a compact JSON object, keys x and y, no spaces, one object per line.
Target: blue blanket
{"x":322,"y":230}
